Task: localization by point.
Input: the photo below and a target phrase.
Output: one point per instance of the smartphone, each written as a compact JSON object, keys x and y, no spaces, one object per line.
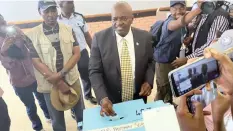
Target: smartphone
{"x":11,"y":31}
{"x":205,"y":98}
{"x":193,"y":75}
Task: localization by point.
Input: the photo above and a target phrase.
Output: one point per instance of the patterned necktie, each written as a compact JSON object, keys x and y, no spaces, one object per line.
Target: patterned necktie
{"x":126,"y":74}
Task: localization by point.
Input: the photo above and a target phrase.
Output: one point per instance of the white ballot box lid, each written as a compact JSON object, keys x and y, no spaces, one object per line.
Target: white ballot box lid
{"x":161,"y":119}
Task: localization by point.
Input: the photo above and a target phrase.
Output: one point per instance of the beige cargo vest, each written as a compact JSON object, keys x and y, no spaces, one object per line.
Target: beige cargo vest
{"x":47,"y":54}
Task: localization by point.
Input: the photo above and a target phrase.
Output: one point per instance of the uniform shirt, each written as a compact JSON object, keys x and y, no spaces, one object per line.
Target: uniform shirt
{"x":53,"y":36}
{"x":79,"y":25}
{"x":130,"y":44}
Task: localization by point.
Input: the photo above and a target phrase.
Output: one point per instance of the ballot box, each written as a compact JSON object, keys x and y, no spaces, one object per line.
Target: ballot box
{"x":129,"y":117}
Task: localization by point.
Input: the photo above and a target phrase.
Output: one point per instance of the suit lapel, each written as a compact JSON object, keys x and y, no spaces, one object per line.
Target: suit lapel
{"x":115,"y":53}
{"x":136,"y":48}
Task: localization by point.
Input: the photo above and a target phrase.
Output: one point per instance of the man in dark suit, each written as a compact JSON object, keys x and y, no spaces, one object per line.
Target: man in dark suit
{"x":203,"y":77}
{"x":121,"y":62}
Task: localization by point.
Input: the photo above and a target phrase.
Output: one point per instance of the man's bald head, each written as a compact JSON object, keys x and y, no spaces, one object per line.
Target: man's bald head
{"x":124,"y":6}
{"x":122,"y":18}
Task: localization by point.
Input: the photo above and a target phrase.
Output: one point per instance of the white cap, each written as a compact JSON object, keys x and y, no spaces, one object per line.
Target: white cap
{"x":225,"y":42}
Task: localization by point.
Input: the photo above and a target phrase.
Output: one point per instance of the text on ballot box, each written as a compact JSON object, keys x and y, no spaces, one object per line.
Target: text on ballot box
{"x":129,"y":117}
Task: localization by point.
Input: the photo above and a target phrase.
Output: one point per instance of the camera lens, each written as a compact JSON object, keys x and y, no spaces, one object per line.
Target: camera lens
{"x":207,"y":7}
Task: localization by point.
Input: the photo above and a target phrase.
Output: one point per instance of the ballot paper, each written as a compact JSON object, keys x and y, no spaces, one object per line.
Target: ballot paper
{"x":161,"y":119}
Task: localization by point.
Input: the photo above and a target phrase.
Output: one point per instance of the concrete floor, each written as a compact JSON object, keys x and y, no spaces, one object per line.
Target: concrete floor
{"x":17,"y":111}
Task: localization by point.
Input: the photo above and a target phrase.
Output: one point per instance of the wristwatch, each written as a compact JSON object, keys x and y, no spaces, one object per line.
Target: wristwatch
{"x":63,"y":72}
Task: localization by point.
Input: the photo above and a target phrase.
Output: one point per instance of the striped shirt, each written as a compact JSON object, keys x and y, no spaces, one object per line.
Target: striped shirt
{"x":53,"y":35}
{"x":220,"y":23}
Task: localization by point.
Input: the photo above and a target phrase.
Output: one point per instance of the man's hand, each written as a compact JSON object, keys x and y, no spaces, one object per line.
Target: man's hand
{"x":187,"y":41}
{"x":9,"y":40}
{"x":54,"y":78}
{"x":226,"y":70}
{"x":6,"y":44}
{"x":219,"y":107}
{"x":200,"y":2}
{"x":179,"y":62}
{"x":106,"y":108}
{"x":63,"y":87}
{"x":188,"y":121}
{"x":145,"y":89}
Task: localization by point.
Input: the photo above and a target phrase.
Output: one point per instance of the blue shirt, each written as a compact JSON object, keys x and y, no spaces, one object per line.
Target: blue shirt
{"x":167,"y":51}
{"x":79,"y":27}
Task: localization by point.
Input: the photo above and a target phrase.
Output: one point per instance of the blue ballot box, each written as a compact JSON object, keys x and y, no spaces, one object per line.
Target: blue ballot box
{"x":129,"y":117}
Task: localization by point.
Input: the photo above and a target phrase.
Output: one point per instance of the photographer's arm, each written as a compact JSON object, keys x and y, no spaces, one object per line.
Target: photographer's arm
{"x":6,"y":61}
{"x":16,"y":34}
{"x":183,"y":21}
{"x":6,"y":45}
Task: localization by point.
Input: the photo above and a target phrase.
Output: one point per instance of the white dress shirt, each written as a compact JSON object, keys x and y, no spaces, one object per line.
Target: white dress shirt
{"x":130,"y":44}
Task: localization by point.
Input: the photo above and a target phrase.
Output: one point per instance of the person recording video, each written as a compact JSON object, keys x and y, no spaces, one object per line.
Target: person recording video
{"x":195,"y":122}
{"x":15,"y":58}
{"x":204,"y":74}
{"x":194,"y":79}
{"x":213,"y":19}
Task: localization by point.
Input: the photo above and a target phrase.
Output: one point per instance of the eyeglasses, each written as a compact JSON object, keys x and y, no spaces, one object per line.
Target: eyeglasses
{"x":121,"y":18}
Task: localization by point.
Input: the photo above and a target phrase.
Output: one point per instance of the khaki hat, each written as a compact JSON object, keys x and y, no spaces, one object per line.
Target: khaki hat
{"x":63,"y":102}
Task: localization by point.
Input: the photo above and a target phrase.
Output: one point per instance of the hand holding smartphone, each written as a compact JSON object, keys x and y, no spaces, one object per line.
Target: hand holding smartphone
{"x":207,"y":96}
{"x":201,"y":71}
{"x":191,"y":76}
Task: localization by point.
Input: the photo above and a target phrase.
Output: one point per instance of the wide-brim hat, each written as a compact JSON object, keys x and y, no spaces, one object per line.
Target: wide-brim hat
{"x":63,"y":102}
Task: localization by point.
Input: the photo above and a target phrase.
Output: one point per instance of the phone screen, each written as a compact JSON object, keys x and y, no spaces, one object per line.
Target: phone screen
{"x":194,"y":75}
{"x":205,"y":98}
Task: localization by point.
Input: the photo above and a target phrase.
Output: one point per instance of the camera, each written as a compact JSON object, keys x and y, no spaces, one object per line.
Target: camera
{"x":11,"y":31}
{"x":209,"y":7}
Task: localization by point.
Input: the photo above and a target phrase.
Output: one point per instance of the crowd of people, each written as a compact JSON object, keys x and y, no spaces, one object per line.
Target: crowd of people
{"x":49,"y":60}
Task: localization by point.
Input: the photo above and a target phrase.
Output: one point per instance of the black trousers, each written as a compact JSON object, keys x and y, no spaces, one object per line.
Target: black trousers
{"x":83,"y":70}
{"x":4,"y":116}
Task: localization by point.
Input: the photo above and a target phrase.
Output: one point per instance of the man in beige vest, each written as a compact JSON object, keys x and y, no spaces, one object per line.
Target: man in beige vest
{"x":55,"y":53}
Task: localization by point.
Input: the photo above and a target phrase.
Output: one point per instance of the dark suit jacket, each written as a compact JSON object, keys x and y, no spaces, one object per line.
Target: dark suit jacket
{"x":104,"y":64}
